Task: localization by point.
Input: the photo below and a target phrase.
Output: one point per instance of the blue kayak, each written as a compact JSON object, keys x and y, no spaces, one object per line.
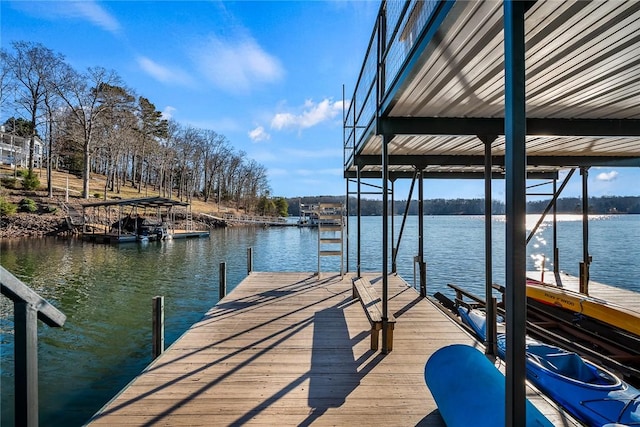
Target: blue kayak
{"x":589,"y":392}
{"x":470,"y":391}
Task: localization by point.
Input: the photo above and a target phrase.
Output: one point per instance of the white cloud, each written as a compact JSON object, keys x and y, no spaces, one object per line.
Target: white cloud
{"x":237,"y":65}
{"x":168,"y":111}
{"x":283,"y":120}
{"x":311,"y":115}
{"x":87,"y":10}
{"x":95,"y":13}
{"x":162,"y":73}
{"x":607,"y":176}
{"x":258,"y":134}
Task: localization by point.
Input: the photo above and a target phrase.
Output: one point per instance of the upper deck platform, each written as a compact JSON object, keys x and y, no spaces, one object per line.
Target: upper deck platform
{"x":438,"y":92}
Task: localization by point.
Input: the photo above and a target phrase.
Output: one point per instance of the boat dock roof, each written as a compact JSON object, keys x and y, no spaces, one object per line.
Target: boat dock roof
{"x":289,"y":349}
{"x":145,"y":202}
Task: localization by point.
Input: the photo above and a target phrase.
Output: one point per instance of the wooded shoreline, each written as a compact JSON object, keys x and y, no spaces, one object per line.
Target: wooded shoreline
{"x":607,"y":205}
{"x":49,"y":219}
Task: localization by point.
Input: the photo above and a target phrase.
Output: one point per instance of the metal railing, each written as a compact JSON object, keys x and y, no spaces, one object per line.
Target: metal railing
{"x":28,"y":308}
{"x":396,"y":34}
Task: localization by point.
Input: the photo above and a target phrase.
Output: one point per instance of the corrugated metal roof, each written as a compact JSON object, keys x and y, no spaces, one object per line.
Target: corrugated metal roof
{"x":146,"y":202}
{"x":582,"y":61}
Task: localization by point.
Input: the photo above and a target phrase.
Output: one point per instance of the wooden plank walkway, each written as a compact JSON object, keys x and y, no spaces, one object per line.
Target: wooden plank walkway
{"x":289,"y":349}
{"x":623,"y":297}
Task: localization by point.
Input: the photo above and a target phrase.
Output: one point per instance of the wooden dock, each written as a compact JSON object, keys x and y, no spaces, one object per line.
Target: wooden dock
{"x":289,"y":349}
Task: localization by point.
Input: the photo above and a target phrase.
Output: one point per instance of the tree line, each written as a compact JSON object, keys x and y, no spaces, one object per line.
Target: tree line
{"x":569,"y":205}
{"x":93,"y":123}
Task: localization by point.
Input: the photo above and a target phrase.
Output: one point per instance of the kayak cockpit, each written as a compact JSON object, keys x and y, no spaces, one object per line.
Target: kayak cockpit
{"x":569,"y":365}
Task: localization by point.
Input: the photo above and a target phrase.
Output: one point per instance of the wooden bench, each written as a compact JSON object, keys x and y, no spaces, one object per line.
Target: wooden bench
{"x":372,"y":305}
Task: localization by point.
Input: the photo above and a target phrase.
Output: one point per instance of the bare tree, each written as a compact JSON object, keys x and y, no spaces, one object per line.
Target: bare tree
{"x":52,"y":106}
{"x":7,"y":84}
{"x":95,"y":124}
{"x":216,"y":149}
{"x":185,"y":149}
{"x":168,"y":158}
{"x":116,"y":131}
{"x":89,"y":97}
{"x":32,"y":66}
{"x":151,"y":126}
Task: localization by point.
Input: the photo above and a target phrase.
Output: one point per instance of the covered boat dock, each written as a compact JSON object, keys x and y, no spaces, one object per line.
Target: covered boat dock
{"x":144,"y":219}
{"x":513,"y":90}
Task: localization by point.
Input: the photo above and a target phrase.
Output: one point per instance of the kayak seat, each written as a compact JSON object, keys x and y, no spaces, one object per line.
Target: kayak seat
{"x":569,"y":365}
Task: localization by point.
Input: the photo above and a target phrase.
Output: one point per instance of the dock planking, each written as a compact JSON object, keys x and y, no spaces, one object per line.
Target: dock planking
{"x":290,"y":349}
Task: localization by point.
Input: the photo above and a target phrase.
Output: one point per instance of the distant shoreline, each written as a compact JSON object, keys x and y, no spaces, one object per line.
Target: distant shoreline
{"x":606,"y":205}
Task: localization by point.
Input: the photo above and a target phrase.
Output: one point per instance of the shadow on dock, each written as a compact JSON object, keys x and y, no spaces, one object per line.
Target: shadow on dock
{"x":289,"y":349}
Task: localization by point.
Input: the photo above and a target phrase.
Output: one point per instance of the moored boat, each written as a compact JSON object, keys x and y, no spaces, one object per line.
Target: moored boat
{"x":589,"y":392}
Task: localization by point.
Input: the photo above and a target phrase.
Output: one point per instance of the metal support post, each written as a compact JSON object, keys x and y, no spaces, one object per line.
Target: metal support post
{"x":394,"y":268}
{"x":358,"y":225}
{"x":28,"y":307}
{"x":515,"y":162}
{"x":490,"y":344}
{"x":250,"y":261}
{"x":492,"y":333}
{"x":421,"y":263}
{"x":556,"y":253}
{"x":586,"y":259}
{"x":26,"y":363}
{"x":550,"y":205}
{"x":385,"y":241}
{"x":404,"y":221}
{"x":348,"y":213}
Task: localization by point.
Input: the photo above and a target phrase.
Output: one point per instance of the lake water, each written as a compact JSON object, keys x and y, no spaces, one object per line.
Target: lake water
{"x":106,"y":291}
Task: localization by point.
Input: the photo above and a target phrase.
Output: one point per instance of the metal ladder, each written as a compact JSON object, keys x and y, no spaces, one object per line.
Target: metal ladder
{"x":189,"y":220}
{"x":330,"y":233}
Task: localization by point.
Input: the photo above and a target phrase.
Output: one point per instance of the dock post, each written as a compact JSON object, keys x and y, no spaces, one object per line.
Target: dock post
{"x":584,"y":278}
{"x":491,"y":344}
{"x":26,"y":363}
{"x":223,"y":281}
{"x":249,"y":260}
{"x":158,"y":326}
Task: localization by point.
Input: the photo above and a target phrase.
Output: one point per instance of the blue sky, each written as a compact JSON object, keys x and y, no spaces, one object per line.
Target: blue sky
{"x":267,"y":75}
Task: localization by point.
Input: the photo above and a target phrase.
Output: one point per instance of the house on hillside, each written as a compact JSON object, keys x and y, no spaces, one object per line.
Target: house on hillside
{"x":14,"y":150}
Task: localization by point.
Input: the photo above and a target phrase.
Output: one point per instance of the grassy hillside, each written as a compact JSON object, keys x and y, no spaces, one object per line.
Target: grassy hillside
{"x":96,"y":186}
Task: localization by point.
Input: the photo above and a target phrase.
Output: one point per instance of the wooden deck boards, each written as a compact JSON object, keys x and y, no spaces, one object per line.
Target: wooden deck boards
{"x":289,"y":349}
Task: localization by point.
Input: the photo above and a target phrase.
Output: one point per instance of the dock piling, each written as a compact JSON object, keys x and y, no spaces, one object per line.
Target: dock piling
{"x":249,"y":260}
{"x":158,"y":326}
{"x":223,"y":280}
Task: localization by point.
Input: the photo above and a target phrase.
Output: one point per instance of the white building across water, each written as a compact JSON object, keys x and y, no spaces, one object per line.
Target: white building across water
{"x":14,"y":150}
